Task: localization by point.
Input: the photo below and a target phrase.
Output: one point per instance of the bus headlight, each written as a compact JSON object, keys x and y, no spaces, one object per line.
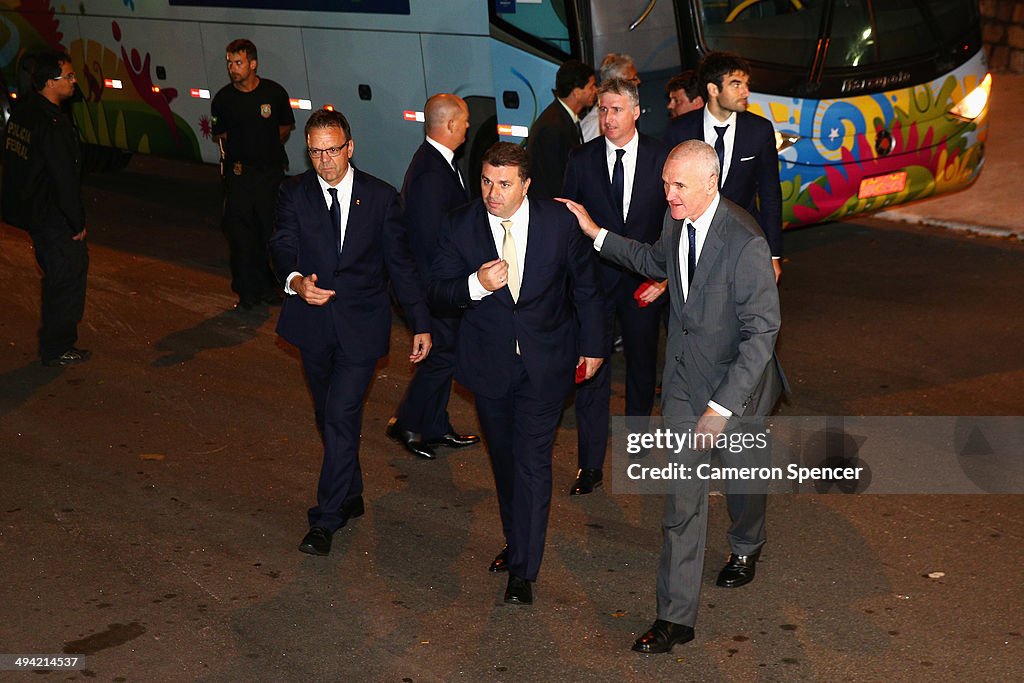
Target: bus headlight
{"x":970,"y":107}
{"x":785,"y":140}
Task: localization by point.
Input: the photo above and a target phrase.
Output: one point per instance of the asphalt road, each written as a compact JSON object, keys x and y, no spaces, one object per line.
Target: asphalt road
{"x":152,"y":499}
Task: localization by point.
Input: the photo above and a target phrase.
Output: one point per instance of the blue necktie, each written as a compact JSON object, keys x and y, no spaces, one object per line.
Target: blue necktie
{"x":720,"y":151}
{"x":691,"y":256}
{"x":618,"y":180}
{"x":335,"y":212}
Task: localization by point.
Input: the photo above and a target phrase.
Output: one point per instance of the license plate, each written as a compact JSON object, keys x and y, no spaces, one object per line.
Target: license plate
{"x":882,"y":184}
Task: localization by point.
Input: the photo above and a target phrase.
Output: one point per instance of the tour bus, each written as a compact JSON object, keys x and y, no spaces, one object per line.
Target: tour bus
{"x":873,"y":103}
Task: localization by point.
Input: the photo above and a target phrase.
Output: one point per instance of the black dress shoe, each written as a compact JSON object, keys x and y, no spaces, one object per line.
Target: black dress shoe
{"x":411,"y":441}
{"x":72,"y":356}
{"x":586,"y":481}
{"x":455,"y":440}
{"x":500,"y":563}
{"x":738,"y":571}
{"x":661,"y":636}
{"x":518,"y":591}
{"x":317,"y":541}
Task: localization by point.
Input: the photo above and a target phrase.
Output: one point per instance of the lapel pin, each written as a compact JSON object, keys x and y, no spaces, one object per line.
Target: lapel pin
{"x":357,"y":202}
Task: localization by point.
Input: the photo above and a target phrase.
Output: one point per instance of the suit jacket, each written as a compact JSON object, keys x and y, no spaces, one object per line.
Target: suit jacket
{"x":431,"y":189}
{"x":559,"y":315}
{"x":551,"y":139}
{"x":721,"y":339}
{"x":376,"y":249}
{"x":587,"y":182}
{"x":753,"y":180}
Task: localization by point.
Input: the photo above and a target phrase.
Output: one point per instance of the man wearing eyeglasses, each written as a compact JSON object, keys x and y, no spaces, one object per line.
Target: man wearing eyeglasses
{"x":252,"y":118}
{"x":42,"y":194}
{"x":338,"y":243}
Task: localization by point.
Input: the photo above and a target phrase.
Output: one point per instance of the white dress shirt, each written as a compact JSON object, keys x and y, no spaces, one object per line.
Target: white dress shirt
{"x":520,"y":229}
{"x":344,"y":188}
{"x":590,"y":124}
{"x":711,"y":136}
{"x":628,"y":167}
{"x":701,"y":227}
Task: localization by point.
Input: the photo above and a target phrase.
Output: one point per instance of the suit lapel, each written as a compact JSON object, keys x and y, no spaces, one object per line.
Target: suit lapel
{"x":325,"y":233}
{"x":354,"y":232}
{"x":439,"y":158}
{"x":534,"y":235}
{"x":709,"y":252}
{"x":674,"y":267}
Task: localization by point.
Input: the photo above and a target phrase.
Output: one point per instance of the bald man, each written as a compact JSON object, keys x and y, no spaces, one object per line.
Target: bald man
{"x":433,"y":186}
{"x":720,"y":364}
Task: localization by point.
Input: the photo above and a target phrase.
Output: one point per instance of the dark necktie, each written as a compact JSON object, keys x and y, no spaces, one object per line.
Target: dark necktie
{"x":335,"y":212}
{"x":720,"y":151}
{"x":691,"y":256}
{"x":579,"y":131}
{"x":458,"y":173}
{"x":618,"y":180}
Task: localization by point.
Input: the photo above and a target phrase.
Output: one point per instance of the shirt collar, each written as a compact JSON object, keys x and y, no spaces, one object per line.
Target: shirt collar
{"x":710,"y":120}
{"x":519,"y":218}
{"x":630,"y":146}
{"x":344,"y":187}
{"x":445,"y":152}
{"x":575,"y":119}
{"x":703,"y":222}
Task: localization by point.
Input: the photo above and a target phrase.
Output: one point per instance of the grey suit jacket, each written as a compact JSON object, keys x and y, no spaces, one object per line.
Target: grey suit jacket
{"x":721,"y":339}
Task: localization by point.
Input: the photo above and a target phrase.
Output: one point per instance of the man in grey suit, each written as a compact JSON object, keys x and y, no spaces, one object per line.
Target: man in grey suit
{"x":719,"y":362}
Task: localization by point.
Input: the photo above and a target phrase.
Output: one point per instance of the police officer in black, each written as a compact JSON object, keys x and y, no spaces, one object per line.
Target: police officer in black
{"x":42,"y":194}
{"x":252,"y":118}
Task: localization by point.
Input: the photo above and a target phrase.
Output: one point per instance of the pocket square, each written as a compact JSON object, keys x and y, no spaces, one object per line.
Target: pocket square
{"x":746,"y":158}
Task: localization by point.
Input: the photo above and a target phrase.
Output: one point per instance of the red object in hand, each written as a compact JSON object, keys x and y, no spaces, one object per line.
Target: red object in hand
{"x":581,"y":371}
{"x":640,"y":291}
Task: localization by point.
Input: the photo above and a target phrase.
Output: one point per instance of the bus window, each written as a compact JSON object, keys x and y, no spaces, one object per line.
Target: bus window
{"x":867,"y":33}
{"x":860,"y":32}
{"x":775,"y":31}
{"x":545,"y":22}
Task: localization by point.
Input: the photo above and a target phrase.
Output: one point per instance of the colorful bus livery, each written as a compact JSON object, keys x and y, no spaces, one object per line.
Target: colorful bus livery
{"x":850,"y":156}
{"x":873,"y":103}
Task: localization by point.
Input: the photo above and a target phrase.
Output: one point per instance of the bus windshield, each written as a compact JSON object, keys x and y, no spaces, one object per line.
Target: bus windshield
{"x":860,"y":33}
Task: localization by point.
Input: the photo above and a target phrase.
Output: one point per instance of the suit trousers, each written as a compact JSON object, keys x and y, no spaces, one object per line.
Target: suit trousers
{"x":338,"y":386}
{"x":519,"y":429}
{"x":65,"y":266}
{"x":640,"y":330}
{"x":425,"y":407}
{"x":249,"y":205}
{"x":685,"y":516}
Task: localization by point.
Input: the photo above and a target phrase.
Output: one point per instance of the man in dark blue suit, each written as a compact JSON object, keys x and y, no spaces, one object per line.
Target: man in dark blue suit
{"x":744,"y":142}
{"x":433,"y":186}
{"x":618,"y":178}
{"x":527,"y":284}
{"x":339,"y":239}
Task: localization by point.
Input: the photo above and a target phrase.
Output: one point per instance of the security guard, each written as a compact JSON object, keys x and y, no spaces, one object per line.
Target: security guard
{"x":252,"y":118}
{"x":42,"y":194}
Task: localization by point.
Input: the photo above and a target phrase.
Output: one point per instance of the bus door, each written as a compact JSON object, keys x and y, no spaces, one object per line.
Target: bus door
{"x":646,"y":31}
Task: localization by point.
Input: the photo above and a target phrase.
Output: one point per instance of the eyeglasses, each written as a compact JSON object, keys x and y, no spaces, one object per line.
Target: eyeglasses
{"x":69,"y":76}
{"x":330,"y":151}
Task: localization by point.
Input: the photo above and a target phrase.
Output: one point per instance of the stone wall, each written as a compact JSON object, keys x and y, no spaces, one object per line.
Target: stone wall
{"x":1002,"y":26}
